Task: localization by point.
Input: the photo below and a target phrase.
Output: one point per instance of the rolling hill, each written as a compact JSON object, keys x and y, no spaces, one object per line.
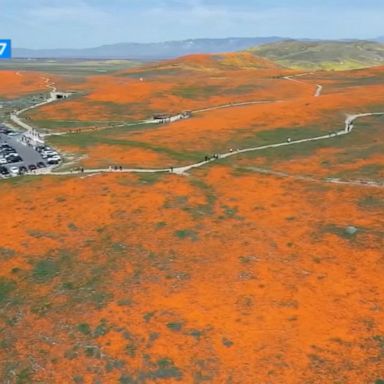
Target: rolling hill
{"x":328,"y":55}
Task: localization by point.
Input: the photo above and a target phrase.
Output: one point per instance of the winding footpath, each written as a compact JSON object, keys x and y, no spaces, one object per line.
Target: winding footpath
{"x":184,"y":170}
{"x":319,"y":87}
{"x":349,"y":126}
{"x":15,"y":116}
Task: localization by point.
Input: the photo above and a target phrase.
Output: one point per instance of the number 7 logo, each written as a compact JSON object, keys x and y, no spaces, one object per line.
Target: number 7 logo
{"x":5,"y":49}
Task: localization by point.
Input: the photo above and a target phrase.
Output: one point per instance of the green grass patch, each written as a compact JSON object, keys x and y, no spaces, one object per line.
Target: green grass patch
{"x":45,"y":270}
{"x":197,"y":93}
{"x":84,"y":328}
{"x":371,"y":202}
{"x":187,"y":234}
{"x":7,"y":253}
{"x":69,"y":67}
{"x":6,"y":288}
{"x":175,"y":326}
{"x":85,"y":140}
{"x":150,"y":178}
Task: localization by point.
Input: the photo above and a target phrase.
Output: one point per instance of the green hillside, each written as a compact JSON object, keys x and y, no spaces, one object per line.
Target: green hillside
{"x":328,"y":55}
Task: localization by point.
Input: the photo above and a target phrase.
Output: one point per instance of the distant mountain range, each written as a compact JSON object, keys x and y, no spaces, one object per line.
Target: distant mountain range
{"x":148,"y":51}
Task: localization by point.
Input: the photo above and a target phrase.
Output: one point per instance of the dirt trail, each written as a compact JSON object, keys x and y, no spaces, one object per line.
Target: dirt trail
{"x":184,"y":170}
{"x":15,"y":116}
{"x":319,"y":88}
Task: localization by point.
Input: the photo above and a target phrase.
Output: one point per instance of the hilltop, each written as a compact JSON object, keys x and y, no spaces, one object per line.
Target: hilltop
{"x":206,"y":62}
{"x":328,"y":55}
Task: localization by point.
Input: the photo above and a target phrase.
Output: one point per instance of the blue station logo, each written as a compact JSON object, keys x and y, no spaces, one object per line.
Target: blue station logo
{"x":5,"y":49}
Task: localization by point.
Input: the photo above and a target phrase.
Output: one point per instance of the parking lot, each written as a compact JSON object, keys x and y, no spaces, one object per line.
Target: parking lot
{"x":17,"y":157}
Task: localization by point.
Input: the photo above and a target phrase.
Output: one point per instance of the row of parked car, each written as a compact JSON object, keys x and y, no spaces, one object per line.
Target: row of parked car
{"x":22,"y":170}
{"x":8,"y":154}
{"x":48,"y":154}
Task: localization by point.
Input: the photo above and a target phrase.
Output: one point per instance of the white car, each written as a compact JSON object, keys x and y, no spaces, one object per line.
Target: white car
{"x":55,"y":158}
{"x":3,"y":161}
{"x":14,"y":171}
{"x":49,"y":153}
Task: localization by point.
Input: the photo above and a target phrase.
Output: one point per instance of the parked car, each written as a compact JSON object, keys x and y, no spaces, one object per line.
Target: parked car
{"x":40,"y":164}
{"x":4,"y":171}
{"x":14,"y":171}
{"x":3,"y":160}
{"x":32,"y":167}
{"x":23,"y":169}
{"x":56,"y":158}
{"x":50,"y":153}
{"x":53,"y":161}
{"x":8,"y":151}
{"x":13,"y":158}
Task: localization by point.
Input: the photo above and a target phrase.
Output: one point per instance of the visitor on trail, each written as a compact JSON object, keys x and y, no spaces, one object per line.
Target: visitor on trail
{"x":231,"y":150}
{"x":206,"y":158}
{"x":289,"y":140}
{"x":171,"y":170}
{"x":82,"y":170}
{"x":121,"y":168}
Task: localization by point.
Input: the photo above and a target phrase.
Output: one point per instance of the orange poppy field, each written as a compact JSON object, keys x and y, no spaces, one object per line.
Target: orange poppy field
{"x":264,"y":267}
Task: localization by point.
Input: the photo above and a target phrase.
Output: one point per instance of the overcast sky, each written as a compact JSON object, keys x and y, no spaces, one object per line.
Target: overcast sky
{"x":87,"y":23}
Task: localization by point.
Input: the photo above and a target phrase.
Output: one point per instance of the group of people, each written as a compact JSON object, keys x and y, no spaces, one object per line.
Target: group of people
{"x":215,"y":156}
{"x":30,"y":141}
{"x":115,"y":168}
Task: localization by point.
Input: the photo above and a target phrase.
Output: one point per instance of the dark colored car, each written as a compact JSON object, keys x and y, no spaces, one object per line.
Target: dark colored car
{"x":7,"y":151}
{"x":4,"y":171}
{"x":40,"y":164}
{"x":23,"y":169}
{"x":14,"y":159}
{"x":32,"y":167}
